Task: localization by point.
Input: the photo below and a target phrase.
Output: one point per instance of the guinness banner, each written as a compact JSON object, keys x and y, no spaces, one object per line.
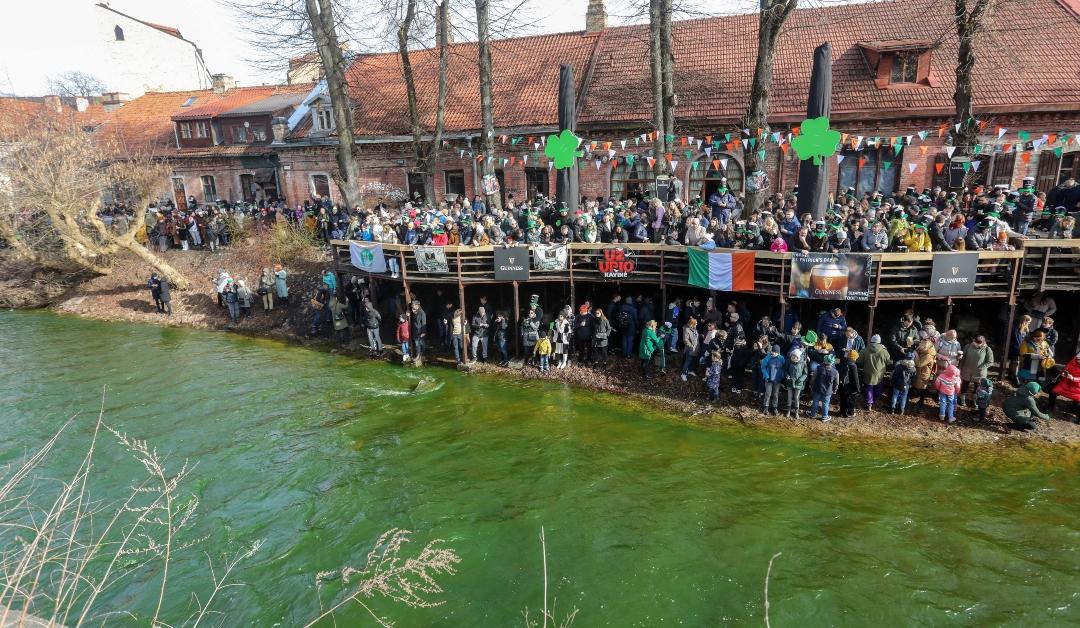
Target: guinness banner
{"x":833,"y":276}
{"x":512,"y":264}
{"x":953,"y":274}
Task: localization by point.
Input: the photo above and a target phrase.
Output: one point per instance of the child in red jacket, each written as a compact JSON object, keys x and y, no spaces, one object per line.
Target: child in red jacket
{"x":403,"y":336}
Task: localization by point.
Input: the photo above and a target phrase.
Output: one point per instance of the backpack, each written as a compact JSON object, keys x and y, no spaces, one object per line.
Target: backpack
{"x":625,"y":320}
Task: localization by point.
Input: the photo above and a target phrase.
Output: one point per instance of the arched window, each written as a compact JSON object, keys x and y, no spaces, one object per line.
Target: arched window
{"x":118,"y":32}
{"x":629,"y":180}
{"x":705,"y":179}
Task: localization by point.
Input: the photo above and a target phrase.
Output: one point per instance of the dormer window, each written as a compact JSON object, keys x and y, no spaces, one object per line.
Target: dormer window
{"x":324,"y":118}
{"x":899,"y":63}
{"x":905,"y":68}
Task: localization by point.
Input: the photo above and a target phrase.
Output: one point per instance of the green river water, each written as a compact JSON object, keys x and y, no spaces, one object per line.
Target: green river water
{"x":649,"y":521}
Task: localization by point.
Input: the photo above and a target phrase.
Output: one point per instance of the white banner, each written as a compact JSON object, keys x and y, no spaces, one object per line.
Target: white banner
{"x":549,"y":257}
{"x":367,"y":257}
{"x":431,"y":259}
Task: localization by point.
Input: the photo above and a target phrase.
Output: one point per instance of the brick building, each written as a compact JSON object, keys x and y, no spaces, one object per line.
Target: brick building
{"x":893,"y":82}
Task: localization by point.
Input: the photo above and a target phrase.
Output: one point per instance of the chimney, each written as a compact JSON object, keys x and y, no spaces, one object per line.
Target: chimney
{"x":280,"y":127}
{"x":595,"y":17}
{"x":113,"y":100}
{"x":222,"y":83}
{"x":52,"y":103}
{"x":442,"y":23}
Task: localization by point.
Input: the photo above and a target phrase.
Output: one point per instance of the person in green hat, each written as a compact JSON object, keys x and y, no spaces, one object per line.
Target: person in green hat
{"x":1021,"y":408}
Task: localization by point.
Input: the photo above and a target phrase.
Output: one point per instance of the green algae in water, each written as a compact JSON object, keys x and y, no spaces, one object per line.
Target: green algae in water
{"x":649,"y":521}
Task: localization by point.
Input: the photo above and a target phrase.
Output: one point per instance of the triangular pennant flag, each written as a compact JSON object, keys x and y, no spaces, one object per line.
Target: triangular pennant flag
{"x":637,"y":141}
{"x":611,"y":153}
{"x":911,"y":168}
{"x":630,"y":159}
{"x":708,"y":151}
{"x":690,"y":139}
{"x":950,"y":150}
{"x":461,"y":155}
{"x":723,"y":164}
{"x":909,"y":140}
{"x":1001,"y":131}
{"x":1058,"y":151}
{"x":1025,"y":157}
{"x":699,"y":144}
{"x":708,"y":139}
{"x":923,"y":149}
{"x":551,"y":164}
{"x":716,"y":164}
{"x":761,"y":154}
{"x":922,"y":135}
{"x":840,"y":159}
{"x":668,"y":156}
{"x":524,"y":160}
{"x":675,"y":164}
{"x":622,"y":144}
{"x":886,"y":164}
{"x":607,"y":145}
{"x":745,"y":144}
{"x":1051,"y":138}
{"x":975,"y":164}
{"x":1006,"y":148}
{"x":753,"y":142}
{"x":957,"y":127}
{"x":897,"y":148}
{"x":939,"y":167}
{"x":652,"y":162}
{"x":843,"y":138}
{"x":1023,"y":135}
{"x":862,"y":161}
{"x":784,"y":148}
{"x":689,"y":154}
{"x":941,"y":130}
{"x":693,"y":165}
{"x":858,"y":140}
{"x":598,"y":164}
{"x":776,"y":137}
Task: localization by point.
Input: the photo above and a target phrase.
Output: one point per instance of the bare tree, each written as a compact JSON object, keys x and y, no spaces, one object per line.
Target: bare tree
{"x":970,"y":21}
{"x":49,"y":213}
{"x":75,"y":83}
{"x":426,"y":152}
{"x":487,"y":139}
{"x":323,"y":29}
{"x":661,"y":60}
{"x":772,"y":16}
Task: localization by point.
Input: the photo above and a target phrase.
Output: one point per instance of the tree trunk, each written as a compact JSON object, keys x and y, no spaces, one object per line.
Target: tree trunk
{"x":968,"y":25}
{"x":487,"y":142}
{"x":321,"y":16}
{"x":656,"y":65}
{"x":425,"y":153}
{"x":771,"y":19}
{"x":667,"y":71}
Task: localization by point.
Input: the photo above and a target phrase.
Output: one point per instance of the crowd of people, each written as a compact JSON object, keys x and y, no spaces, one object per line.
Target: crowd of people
{"x":779,"y":364}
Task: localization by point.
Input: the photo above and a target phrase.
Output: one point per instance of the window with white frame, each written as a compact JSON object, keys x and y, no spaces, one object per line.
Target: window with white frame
{"x":209,"y":189}
{"x":202,"y":129}
{"x":324,"y":118}
{"x":258,"y":133}
{"x":185,"y":130}
{"x":239,"y":135}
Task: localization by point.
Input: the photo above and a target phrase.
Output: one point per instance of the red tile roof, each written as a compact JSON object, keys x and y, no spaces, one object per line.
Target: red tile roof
{"x":1023,"y":60}
{"x":525,"y":83}
{"x":175,"y":32}
{"x":17,"y":113}
{"x":237,"y":97}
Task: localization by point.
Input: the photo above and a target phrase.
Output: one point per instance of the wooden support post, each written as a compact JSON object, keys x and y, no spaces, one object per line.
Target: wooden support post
{"x":464,"y":317}
{"x":663,"y":286}
{"x":405,"y":280}
{"x":516,"y":331}
{"x":870,"y":322}
{"x":874,"y":302}
{"x":570,"y":266}
{"x":1012,"y":317}
{"x":948,"y":313}
{"x":783,"y":300}
{"x":1045,"y":267}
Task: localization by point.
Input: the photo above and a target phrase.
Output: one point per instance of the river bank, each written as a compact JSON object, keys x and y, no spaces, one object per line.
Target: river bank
{"x":122,"y":296}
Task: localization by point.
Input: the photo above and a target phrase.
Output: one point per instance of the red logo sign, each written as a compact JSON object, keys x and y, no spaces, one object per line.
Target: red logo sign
{"x":617,"y":264}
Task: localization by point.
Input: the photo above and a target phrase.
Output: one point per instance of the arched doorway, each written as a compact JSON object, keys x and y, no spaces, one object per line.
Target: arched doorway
{"x":705,"y":178}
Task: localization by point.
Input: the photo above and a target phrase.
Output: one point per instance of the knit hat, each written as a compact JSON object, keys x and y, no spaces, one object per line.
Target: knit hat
{"x":830,"y":359}
{"x":875,"y":339}
{"x":776,"y":349}
{"x":1033,"y":388}
{"x":796,"y":354}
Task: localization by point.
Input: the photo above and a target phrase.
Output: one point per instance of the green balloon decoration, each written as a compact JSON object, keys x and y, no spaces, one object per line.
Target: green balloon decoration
{"x":815,"y":140}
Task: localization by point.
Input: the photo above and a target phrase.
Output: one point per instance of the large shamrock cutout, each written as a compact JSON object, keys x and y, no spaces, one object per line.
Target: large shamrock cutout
{"x":816,"y":140}
{"x":562,"y":148}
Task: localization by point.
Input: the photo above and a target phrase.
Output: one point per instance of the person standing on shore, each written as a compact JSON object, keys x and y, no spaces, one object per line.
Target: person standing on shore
{"x":165,"y":295}
{"x":600,"y":335}
{"x":418,"y":319}
{"x":402,"y":336}
{"x":874,"y":361}
{"x":266,"y":290}
{"x":796,"y":372}
{"x":281,"y":283}
{"x":155,"y":291}
{"x":243,"y":296}
{"x":902,"y":375}
{"x":501,"y":328}
{"x":228,"y":293}
{"x":850,"y":385}
{"x":976,"y":361}
{"x":772,"y":375}
{"x":947,"y":385}
{"x":823,"y":385}
{"x":542,"y":350}
{"x":480,"y":326}
{"x":372,"y":321}
{"x":712,"y":376}
{"x":583,"y":334}
{"x":651,"y":342}
{"x":691,"y":348}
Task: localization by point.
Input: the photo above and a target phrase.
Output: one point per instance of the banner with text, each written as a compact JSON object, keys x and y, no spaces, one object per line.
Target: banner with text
{"x":835,"y":276}
{"x":953,"y":274}
{"x":431,"y":259}
{"x":549,"y":257}
{"x":512,"y":264}
{"x":367,"y":257}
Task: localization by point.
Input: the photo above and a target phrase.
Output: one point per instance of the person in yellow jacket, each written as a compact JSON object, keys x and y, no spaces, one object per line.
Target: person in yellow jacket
{"x":543,"y":350}
{"x":918,"y":240}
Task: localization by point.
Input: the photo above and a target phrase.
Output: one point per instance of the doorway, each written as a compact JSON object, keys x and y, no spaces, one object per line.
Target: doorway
{"x":179,"y":193}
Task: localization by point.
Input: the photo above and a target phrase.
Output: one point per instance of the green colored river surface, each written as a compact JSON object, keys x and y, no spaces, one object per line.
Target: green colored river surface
{"x":649,"y":521}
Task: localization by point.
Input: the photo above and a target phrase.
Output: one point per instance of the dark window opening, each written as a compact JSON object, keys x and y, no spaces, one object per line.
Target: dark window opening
{"x":320,"y":185}
{"x":536,"y":182}
{"x":454,"y":181}
{"x":905,"y":68}
{"x":118,"y":33}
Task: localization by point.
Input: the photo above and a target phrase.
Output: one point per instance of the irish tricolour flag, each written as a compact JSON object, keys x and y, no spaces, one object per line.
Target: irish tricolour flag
{"x":721,"y":271}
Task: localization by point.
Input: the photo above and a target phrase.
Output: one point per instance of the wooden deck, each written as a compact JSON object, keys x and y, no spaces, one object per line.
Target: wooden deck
{"x":1034,"y":265}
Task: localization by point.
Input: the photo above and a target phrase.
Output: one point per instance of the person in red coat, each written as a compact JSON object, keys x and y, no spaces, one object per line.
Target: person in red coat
{"x":1069,"y":385}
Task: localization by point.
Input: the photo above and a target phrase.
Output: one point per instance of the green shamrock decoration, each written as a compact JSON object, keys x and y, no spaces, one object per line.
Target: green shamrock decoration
{"x":562,"y":149}
{"x":815,"y":140}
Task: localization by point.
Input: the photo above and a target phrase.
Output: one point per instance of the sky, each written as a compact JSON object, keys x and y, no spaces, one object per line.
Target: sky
{"x":41,"y":38}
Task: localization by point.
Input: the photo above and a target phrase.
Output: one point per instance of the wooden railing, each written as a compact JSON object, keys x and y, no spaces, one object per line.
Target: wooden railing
{"x":1035,"y":264}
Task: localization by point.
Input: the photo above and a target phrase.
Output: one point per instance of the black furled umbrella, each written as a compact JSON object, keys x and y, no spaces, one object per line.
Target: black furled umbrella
{"x":814,"y":180}
{"x":566,"y":179}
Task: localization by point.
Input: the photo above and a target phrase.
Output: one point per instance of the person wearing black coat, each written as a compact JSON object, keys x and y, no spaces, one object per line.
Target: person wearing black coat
{"x":583,"y":334}
{"x":500,"y":327}
{"x":850,"y":384}
{"x":165,"y":294}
